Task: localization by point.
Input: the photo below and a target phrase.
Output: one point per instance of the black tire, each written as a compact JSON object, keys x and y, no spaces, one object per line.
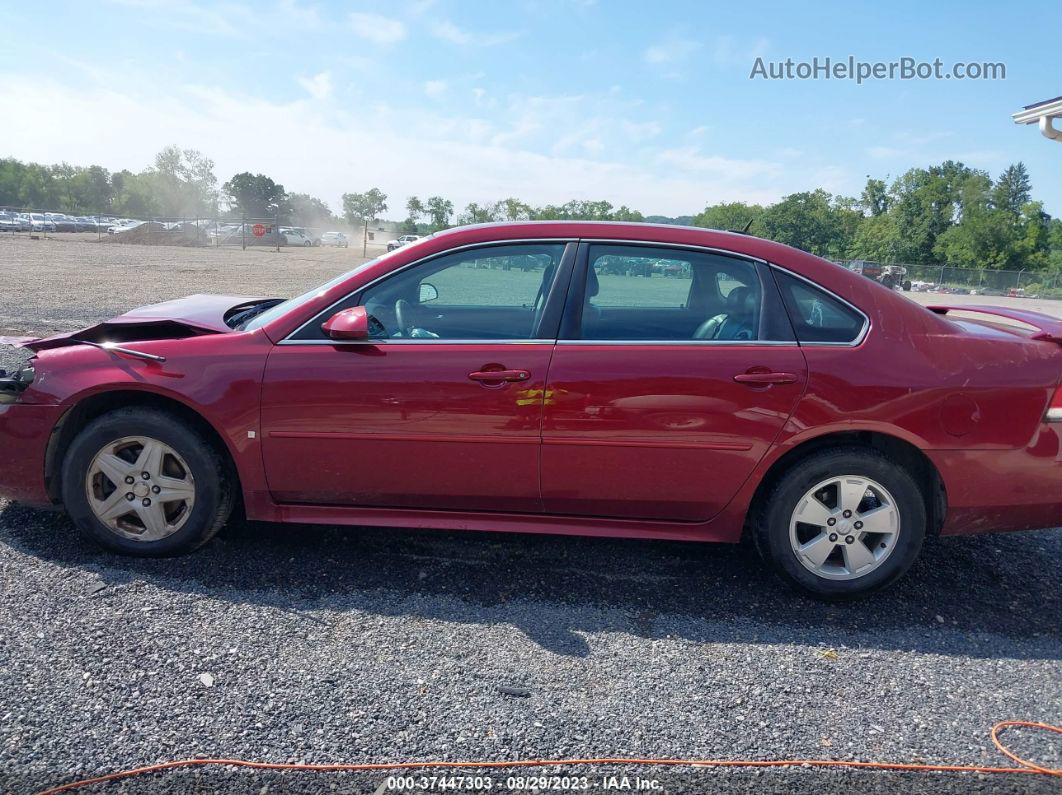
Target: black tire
{"x":214,"y":488}
{"x":771,"y":519}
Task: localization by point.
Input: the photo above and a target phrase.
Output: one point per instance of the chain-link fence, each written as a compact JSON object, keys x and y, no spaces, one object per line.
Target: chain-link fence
{"x":970,"y":281}
{"x":167,"y":231}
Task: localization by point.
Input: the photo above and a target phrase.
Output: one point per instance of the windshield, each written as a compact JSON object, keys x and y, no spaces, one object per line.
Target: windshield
{"x":282,"y":308}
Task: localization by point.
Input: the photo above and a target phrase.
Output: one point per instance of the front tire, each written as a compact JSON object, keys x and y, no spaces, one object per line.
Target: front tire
{"x":841,"y":524}
{"x":143,"y":482}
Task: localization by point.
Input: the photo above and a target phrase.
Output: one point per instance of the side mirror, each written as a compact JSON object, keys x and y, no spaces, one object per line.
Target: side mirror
{"x":427,"y":293}
{"x":348,"y":325}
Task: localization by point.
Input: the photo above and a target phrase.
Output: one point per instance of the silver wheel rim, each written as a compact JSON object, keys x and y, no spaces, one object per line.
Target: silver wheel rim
{"x":140,"y":488}
{"x":844,"y":527}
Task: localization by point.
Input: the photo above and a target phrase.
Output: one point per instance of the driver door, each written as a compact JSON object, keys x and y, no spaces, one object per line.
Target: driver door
{"x":420,"y":415}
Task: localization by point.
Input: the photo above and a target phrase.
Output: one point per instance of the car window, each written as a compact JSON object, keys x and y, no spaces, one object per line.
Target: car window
{"x":495,"y":292}
{"x":816,"y":315}
{"x":502,"y":278}
{"x":650,"y":293}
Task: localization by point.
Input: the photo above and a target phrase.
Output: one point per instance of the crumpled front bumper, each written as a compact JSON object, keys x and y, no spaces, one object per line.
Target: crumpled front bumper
{"x":25,"y":430}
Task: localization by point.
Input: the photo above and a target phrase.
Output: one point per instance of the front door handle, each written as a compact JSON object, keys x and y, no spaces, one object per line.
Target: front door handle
{"x":765,"y":379}
{"x":499,"y":375}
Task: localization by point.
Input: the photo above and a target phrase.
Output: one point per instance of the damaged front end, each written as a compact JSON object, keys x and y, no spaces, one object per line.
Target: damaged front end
{"x":12,"y":385}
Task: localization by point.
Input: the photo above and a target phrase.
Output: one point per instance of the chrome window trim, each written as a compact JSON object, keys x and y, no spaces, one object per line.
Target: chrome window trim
{"x":863,"y":332}
{"x":591,"y":241}
{"x":859,"y":339}
{"x":666,"y":343}
{"x":416,"y":341}
{"x":521,"y":241}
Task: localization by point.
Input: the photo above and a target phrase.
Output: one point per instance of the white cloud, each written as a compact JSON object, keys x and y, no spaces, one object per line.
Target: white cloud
{"x":329,"y":149}
{"x":729,"y":51}
{"x":448,"y":31}
{"x":234,"y":20}
{"x":376,"y":27}
{"x":671,"y":51}
{"x":296,"y":14}
{"x":882,"y":152}
{"x":435,"y":88}
{"x":319,"y":86}
{"x":690,"y":159}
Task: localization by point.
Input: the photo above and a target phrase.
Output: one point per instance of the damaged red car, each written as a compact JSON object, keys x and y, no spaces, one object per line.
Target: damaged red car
{"x":560,"y":377}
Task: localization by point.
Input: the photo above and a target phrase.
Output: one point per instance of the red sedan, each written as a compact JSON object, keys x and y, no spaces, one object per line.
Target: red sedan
{"x":598,"y":379}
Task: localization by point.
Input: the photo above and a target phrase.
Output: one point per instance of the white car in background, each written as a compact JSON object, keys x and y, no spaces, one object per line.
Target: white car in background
{"x":124,"y":225}
{"x":337,"y":239}
{"x":393,"y":244}
{"x":41,"y":223}
{"x":295,"y":237}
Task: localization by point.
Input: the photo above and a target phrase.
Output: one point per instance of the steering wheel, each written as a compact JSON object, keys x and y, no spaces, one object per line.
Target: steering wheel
{"x":404,"y":316}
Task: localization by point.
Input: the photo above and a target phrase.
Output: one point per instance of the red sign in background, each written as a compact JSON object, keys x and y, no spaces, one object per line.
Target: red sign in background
{"x":259,"y":230}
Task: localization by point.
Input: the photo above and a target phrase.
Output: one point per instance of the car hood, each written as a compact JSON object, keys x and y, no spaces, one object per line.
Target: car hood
{"x":182,"y":317}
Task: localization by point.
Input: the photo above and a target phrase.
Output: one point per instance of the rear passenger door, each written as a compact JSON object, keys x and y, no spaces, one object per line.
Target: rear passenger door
{"x":675,"y":372}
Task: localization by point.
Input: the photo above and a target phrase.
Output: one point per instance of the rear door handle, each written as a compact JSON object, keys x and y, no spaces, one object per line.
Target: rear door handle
{"x":499,"y":375}
{"x":762,"y":379}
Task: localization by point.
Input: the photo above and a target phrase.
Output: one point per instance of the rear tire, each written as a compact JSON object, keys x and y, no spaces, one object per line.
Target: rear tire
{"x":182,"y":492}
{"x":841,"y":524}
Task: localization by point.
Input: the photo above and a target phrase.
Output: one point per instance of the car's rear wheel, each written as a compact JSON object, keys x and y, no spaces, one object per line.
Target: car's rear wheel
{"x":143,"y":482}
{"x":842,"y":523}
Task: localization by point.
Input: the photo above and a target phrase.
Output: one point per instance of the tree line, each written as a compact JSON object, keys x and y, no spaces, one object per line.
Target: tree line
{"x":944,"y":214}
{"x":947,"y":214}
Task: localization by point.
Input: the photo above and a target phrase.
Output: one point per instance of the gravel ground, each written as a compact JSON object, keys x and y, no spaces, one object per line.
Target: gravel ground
{"x":323,"y":644}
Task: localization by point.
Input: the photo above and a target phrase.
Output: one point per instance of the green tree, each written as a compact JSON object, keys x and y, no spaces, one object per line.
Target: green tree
{"x":515,"y":210}
{"x":364,"y":208}
{"x":877,"y":239}
{"x":306,"y":210}
{"x":255,"y":196}
{"x":475,"y":213}
{"x":625,"y":213}
{"x":732,"y":216}
{"x":804,"y":220}
{"x":439,"y":210}
{"x":1013,"y":189}
{"x":875,"y":197}
{"x":185,"y":181}
{"x":415,"y":208}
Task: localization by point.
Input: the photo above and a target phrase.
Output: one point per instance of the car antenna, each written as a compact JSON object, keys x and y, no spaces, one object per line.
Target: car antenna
{"x":744,"y":230}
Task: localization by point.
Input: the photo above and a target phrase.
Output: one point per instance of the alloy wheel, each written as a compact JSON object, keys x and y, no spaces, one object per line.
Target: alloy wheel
{"x":140,"y":488}
{"x":844,"y":527}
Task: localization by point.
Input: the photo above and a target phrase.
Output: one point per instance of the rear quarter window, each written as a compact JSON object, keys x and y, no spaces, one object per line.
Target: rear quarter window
{"x":816,"y":315}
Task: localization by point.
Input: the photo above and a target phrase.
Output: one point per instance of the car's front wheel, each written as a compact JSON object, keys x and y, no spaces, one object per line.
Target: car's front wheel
{"x":143,"y":482}
{"x":843,"y":523}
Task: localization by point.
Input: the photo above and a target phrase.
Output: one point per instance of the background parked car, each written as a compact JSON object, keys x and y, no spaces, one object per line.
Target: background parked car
{"x":9,"y":222}
{"x":337,"y":239}
{"x":393,"y":244}
{"x":40,"y":223}
{"x":124,"y":225}
{"x":295,"y":237}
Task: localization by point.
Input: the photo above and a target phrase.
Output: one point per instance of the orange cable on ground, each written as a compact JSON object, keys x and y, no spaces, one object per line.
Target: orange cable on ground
{"x":1027,"y":767}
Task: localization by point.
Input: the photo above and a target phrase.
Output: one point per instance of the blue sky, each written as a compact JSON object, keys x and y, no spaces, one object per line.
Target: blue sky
{"x":644,"y":104}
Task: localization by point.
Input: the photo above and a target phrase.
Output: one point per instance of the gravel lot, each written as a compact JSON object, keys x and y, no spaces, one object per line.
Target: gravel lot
{"x":327,"y":644}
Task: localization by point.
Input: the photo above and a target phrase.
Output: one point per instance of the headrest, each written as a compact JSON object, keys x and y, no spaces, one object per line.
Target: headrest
{"x":592,"y":284}
{"x":740,"y":301}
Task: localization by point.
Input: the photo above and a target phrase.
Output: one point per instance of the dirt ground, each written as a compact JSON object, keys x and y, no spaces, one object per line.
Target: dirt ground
{"x":49,"y":286}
